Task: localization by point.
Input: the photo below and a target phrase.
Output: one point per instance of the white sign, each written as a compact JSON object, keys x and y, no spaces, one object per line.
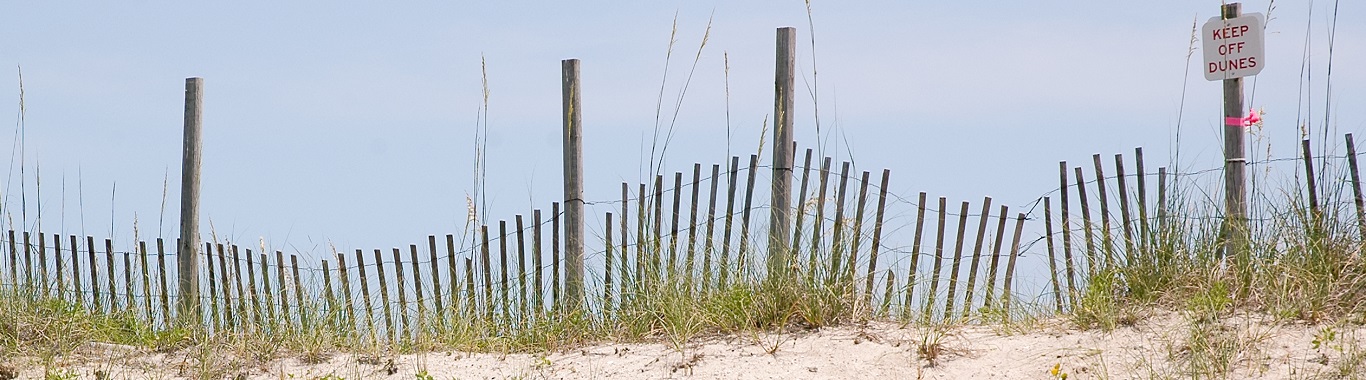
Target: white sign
{"x":1233,"y":48}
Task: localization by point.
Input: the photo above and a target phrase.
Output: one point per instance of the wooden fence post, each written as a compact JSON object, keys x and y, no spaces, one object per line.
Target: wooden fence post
{"x":741,"y":257}
{"x":1106,"y":239}
{"x":690,"y":261}
{"x":914,"y":267}
{"x":672,"y":272}
{"x":384,"y":297}
{"x":1006,"y":294}
{"x":1235,"y":163}
{"x":417,"y":290}
{"x":76,"y":274}
{"x":94,"y":275}
{"x":780,"y":256}
{"x":1356,"y":185}
{"x":1086,"y":223}
{"x":1124,"y":209}
{"x":938,"y":258}
{"x":161,"y":266}
{"x":723,"y":265}
{"x":573,"y":184}
{"x":857,"y":236}
{"x":957,"y":261}
{"x":402,"y":296}
{"x":349,"y":303}
{"x":1052,"y":260}
{"x":708,"y":242}
{"x":996,"y":256}
{"x":1066,"y":229}
{"x":364,"y":295}
{"x":837,"y":235}
{"x":976,"y":255}
{"x":187,"y":261}
{"x":817,"y":223}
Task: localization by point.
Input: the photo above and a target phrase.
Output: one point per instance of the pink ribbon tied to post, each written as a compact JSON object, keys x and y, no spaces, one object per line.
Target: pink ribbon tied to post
{"x":1253,"y":118}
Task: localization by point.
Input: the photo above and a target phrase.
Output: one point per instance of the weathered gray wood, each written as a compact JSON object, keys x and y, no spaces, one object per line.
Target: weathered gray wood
{"x":690,"y":263}
{"x":976,"y":255}
{"x":1356,"y":185}
{"x":45,"y":281}
{"x":364,"y":294}
{"x":470,"y":299}
{"x":641,"y":243}
{"x":1235,"y":163}
{"x":109,"y":275}
{"x":161,"y":266}
{"x":268,"y":295}
{"x":94,"y":275}
{"x":938,"y":258}
{"x":801,"y":204}
{"x":672,"y":272}
{"x":1162,"y":200}
{"x":538,"y":287}
{"x":1311,"y":187}
{"x":223,"y":284}
{"x":1052,"y":259}
{"x":573,"y":186}
{"x":990,"y":298}
{"x":79,"y":292}
{"x":1142,"y":198}
{"x":1124,"y":213}
{"x":257,"y":312}
{"x":555,"y":285}
{"x":215,"y":315}
{"x":723,"y":265}
{"x":742,"y":255}
{"x":282,"y":289}
{"x":708,"y":244}
{"x":503,"y":295}
{"x":402,"y":308}
{"x":657,"y":244}
{"x":450,"y":260}
{"x":957,"y":261}
{"x":857,"y":237}
{"x":521,"y":270}
{"x":188,"y":262}
{"x":417,"y":289}
{"x":237,"y":279}
{"x":299,"y":292}
{"x":28,"y":264}
{"x":61,"y":276}
{"x":14,"y":259}
{"x":349,"y":304}
{"x":1064,"y":219}
{"x":818,"y":222}
{"x":1086,"y":223}
{"x":437,"y":300}
{"x":1107,"y":244}
{"x":1006,"y":294}
{"x":837,"y":236}
{"x":607,"y":265}
{"x":625,"y":268}
{"x":330,"y":310}
{"x":128,"y":304}
{"x":385,"y":306}
{"x":780,"y":256}
{"x":485,"y":270}
{"x":142,"y":260}
{"x":914,"y":266}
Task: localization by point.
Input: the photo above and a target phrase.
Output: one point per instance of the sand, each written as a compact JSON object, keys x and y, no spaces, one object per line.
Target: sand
{"x":1164,"y":345}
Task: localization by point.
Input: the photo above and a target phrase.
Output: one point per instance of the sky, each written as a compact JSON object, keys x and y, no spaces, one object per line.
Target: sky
{"x":353,"y":125}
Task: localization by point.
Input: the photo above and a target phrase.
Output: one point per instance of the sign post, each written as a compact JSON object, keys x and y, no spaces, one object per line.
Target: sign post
{"x":1234,"y":47}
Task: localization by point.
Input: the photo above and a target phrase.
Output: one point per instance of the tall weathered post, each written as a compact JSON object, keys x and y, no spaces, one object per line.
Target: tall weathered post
{"x":780,"y":255}
{"x":1234,"y":47}
{"x":573,"y":185}
{"x":187,"y":260}
{"x":1235,"y":184}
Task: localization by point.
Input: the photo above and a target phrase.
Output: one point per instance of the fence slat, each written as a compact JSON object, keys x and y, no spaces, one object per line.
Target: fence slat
{"x":94,"y":275}
{"x":818,"y":222}
{"x":938,"y":258}
{"x":837,"y":236}
{"x":657,"y":244}
{"x":990,"y":298}
{"x":450,"y":260}
{"x":436,"y":282}
{"x":214,"y":312}
{"x":741,"y":255}
{"x":857,"y":236}
{"x":957,"y":261}
{"x":1064,"y":219}
{"x":673,"y":229}
{"x":417,"y":290}
{"x":299,"y":308}
{"x":486,"y":271}
{"x":1124,"y":213}
{"x":146,"y":279}
{"x":28,"y":264}
{"x":257,"y":314}
{"x":13,"y":260}
{"x":1106,"y":239}
{"x":161,"y":271}
{"x":690,"y":263}
{"x":914,"y":266}
{"x":237,"y":280}
{"x":402,"y":308}
{"x":641,"y":256}
{"x":364,"y":295}
{"x":57,"y":259}
{"x":625,"y":268}
{"x":385,"y":306}
{"x":554,"y":257}
{"x":1142,"y":199}
{"x":723,"y":265}
{"x":1356,"y":185}
{"x":269,"y":299}
{"x":1086,"y":223}
{"x":349,"y":302}
{"x":708,"y":242}
{"x":109,"y":275}
{"x":607,"y":266}
{"x":330,"y":297}
{"x":282,"y":288}
{"x":503,"y":295}
{"x":976,"y":255}
{"x":1052,"y":259}
{"x":537,"y":282}
{"x":42,"y":266}
{"x":521,"y":270}
{"x":76,"y":272}
{"x":801,"y":204}
{"x":1006,"y":294}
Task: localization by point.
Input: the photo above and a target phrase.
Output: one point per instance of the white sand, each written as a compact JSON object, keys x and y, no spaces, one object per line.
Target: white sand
{"x":1156,"y":347}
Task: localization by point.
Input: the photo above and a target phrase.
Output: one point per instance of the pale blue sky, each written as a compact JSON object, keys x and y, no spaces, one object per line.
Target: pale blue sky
{"x":353,"y":123}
